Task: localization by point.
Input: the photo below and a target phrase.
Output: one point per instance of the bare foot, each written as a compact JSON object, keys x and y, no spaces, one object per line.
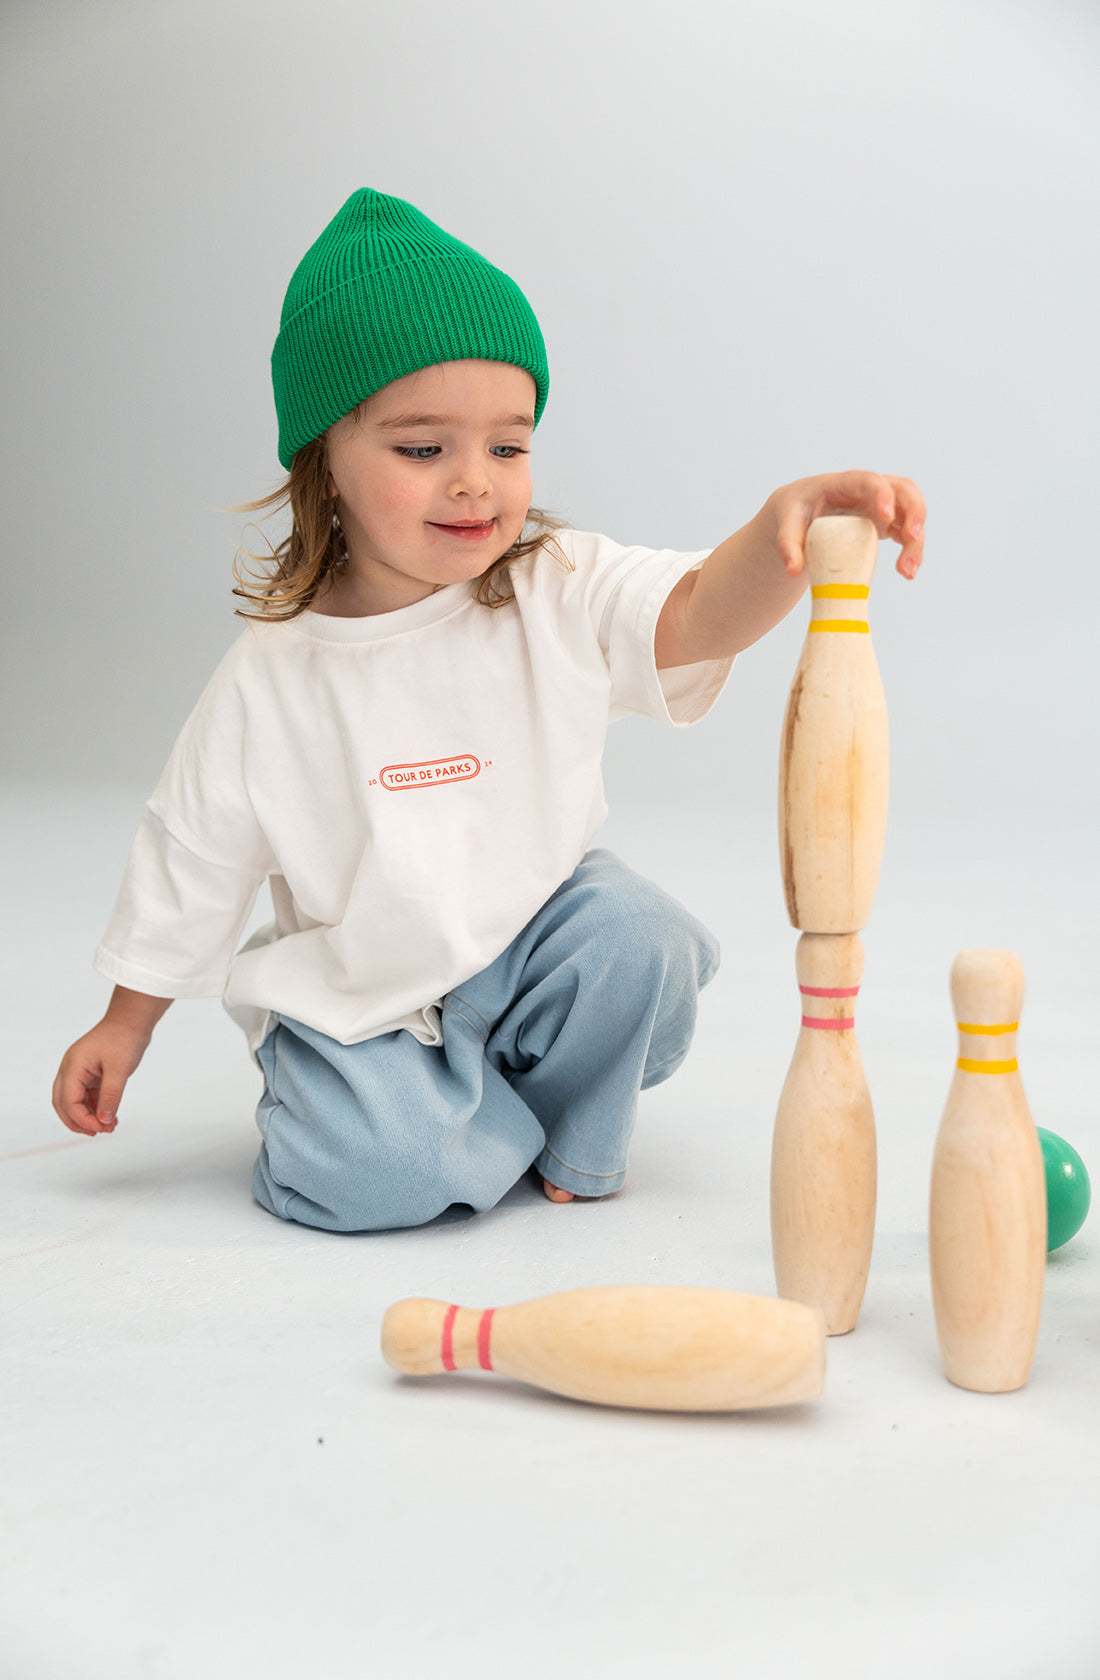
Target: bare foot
{"x":557,"y":1195}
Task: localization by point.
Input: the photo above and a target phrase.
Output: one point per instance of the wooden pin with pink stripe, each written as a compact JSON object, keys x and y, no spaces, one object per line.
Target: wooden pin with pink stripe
{"x":829,"y":1023}
{"x":823,"y":1152}
{"x":476,"y":1343}
{"x":661,"y":1347}
{"x":833,"y":780}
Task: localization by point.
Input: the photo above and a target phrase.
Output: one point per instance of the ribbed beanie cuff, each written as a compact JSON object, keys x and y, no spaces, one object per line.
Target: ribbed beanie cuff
{"x":381,"y":293}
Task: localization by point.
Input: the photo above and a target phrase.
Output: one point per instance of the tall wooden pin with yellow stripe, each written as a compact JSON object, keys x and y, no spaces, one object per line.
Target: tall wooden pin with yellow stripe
{"x":833,"y":786}
{"x":834,"y":767}
{"x":987,"y":1230}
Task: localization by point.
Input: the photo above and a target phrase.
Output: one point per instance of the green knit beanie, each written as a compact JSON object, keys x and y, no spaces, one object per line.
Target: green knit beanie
{"x":382,"y":292}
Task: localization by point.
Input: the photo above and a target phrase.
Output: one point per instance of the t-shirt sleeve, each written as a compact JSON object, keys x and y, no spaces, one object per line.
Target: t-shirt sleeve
{"x":197,"y":861}
{"x":176,"y":921}
{"x":624,"y":590}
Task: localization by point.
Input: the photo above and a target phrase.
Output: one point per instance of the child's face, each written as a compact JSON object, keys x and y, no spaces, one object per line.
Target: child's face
{"x":401,"y":483}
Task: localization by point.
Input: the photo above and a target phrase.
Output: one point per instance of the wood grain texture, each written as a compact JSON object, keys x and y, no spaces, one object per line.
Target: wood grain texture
{"x":987,"y":1227}
{"x":824,"y":1165}
{"x":655,"y":1347}
{"x":834,"y":753}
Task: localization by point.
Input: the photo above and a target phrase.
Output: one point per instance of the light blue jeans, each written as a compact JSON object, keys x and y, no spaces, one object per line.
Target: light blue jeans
{"x":543,"y":1055}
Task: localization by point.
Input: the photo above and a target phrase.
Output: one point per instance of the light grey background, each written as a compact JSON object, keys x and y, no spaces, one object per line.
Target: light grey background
{"x":763,"y":240}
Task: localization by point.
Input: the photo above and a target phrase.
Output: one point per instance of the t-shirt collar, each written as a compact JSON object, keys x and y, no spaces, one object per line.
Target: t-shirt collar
{"x":375,"y":627}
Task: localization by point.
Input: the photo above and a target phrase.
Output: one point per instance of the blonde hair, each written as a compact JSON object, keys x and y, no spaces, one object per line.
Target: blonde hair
{"x":315,"y":550}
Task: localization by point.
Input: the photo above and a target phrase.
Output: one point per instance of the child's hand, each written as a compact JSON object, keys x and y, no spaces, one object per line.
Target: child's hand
{"x":92,"y":1078}
{"x":894,"y":505}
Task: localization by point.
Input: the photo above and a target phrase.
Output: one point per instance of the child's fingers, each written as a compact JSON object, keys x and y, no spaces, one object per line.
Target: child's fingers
{"x":110,"y":1096}
{"x":77,"y":1100}
{"x":895,"y":507}
{"x":892,"y":504}
{"x":908,"y":526}
{"x":70,"y":1110}
{"x":791,"y":539}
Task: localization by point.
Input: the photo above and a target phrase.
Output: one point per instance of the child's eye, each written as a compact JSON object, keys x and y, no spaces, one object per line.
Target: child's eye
{"x":427,"y":451}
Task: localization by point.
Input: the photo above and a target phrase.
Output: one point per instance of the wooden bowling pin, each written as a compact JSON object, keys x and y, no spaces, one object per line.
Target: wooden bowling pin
{"x":823,"y":1150}
{"x":834,"y":758}
{"x":659,"y":1347}
{"x":987,"y":1229}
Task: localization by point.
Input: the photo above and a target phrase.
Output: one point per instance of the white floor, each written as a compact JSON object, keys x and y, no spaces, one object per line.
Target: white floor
{"x":211,"y":1474}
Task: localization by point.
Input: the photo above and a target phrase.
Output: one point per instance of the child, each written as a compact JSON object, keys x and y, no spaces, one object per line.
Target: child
{"x":406,"y":742}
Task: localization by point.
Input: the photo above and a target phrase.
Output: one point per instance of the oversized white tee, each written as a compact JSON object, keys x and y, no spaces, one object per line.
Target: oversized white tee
{"x":414,"y":785}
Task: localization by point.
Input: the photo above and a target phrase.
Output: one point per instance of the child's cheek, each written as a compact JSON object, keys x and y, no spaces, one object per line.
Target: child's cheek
{"x":405,"y":497}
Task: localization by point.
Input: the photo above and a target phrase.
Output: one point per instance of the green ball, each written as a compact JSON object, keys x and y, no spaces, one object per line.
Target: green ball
{"x":1068,"y":1190}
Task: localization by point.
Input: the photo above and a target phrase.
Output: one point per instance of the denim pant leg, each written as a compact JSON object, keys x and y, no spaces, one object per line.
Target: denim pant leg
{"x":543,"y":1055}
{"x":593,"y":1002}
{"x":386,"y":1133}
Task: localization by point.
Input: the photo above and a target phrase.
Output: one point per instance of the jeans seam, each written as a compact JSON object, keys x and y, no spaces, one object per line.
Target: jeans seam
{"x":447,"y":1004}
{"x":580,"y":1171}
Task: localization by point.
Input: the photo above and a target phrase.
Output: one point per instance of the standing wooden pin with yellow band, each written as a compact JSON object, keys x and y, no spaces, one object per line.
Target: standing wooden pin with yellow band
{"x":987,"y":1226}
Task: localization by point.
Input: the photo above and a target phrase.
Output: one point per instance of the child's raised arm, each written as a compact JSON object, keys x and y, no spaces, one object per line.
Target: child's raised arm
{"x":755,"y":577}
{"x":94,"y":1070}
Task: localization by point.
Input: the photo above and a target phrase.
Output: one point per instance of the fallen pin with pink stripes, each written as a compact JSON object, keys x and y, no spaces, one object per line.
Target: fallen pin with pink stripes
{"x":657,"y":1347}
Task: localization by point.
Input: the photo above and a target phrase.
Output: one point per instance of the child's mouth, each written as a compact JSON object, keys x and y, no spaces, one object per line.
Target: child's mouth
{"x":471,"y":533}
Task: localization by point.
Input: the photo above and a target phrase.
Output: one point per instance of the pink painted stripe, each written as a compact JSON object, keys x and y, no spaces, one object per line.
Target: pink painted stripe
{"x":829,"y":991}
{"x":447,"y":1351}
{"x":825,"y":1023}
{"x":484,"y":1330}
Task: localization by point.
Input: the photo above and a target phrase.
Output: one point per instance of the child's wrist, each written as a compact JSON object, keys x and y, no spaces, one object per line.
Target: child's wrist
{"x":134,"y":1014}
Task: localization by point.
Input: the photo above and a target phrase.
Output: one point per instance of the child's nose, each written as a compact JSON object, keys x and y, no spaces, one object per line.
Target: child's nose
{"x":470,"y":475}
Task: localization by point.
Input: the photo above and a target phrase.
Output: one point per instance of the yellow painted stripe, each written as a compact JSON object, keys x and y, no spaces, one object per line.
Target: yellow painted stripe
{"x":969,"y":1066}
{"x":987,"y":1032}
{"x":857,"y":624}
{"x":840,"y":591}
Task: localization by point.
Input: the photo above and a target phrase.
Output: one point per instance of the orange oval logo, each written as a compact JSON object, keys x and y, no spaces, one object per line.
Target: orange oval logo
{"x":431,"y":773}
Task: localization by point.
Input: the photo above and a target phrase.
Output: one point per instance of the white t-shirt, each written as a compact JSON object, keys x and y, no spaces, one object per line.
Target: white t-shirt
{"x":414,"y":785}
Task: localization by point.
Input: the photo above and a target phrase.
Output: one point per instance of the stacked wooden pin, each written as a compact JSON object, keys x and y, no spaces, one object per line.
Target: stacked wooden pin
{"x":833,"y":787}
